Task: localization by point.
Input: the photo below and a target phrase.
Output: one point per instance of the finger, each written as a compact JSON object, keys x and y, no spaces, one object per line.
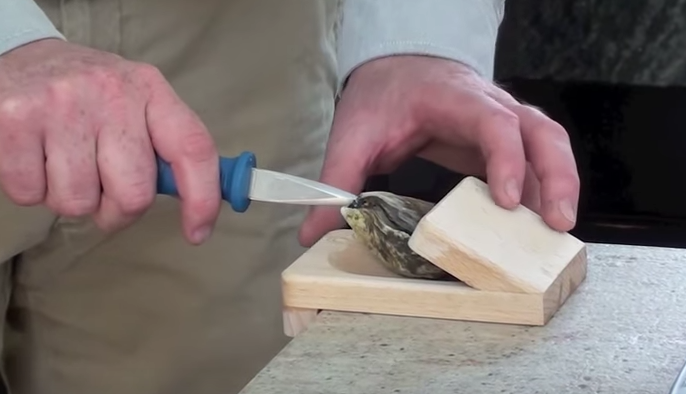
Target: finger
{"x":549,"y":150}
{"x":346,"y":166}
{"x":73,"y":185}
{"x":531,"y":194}
{"x":109,"y":218}
{"x":480,"y":121}
{"x":127,"y":171}
{"x":181,"y":139}
{"x":22,"y":162}
{"x":466,"y":161}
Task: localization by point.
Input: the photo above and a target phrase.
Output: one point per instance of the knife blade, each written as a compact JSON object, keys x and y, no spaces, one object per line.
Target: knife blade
{"x":679,"y":385}
{"x":241,"y":182}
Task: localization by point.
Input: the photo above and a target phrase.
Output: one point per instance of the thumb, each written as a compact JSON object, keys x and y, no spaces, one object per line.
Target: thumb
{"x":345,"y":166}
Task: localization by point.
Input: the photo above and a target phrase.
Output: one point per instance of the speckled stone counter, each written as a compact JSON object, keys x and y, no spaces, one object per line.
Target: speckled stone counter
{"x":634,"y":42}
{"x":623,"y":331}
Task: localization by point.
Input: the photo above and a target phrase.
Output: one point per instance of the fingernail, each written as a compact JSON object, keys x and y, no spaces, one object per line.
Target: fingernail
{"x":512,"y":190}
{"x":567,"y":210}
{"x":202,"y":234}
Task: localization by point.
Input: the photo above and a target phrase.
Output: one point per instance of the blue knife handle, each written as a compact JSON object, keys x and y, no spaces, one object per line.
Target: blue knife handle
{"x":235,"y":174}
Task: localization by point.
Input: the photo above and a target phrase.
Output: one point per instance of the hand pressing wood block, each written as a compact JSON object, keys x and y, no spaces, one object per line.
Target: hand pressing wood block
{"x":491,"y":248}
{"x":490,"y":264}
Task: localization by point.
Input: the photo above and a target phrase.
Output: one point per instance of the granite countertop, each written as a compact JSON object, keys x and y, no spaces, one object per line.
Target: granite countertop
{"x":623,"y":331}
{"x":632,"y":42}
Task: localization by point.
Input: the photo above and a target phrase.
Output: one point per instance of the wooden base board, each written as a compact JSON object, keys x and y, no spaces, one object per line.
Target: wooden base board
{"x":296,"y":320}
{"x":339,"y":273}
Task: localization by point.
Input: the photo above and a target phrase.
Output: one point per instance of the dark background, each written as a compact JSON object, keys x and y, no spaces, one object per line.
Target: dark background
{"x":630,"y":152}
{"x":614,"y":75}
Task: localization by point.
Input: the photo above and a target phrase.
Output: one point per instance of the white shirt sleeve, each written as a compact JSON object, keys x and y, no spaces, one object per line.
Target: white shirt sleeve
{"x":22,"y":22}
{"x":460,"y":30}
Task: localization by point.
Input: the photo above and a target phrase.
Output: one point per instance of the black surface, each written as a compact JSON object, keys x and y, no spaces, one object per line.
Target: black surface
{"x":630,"y":146}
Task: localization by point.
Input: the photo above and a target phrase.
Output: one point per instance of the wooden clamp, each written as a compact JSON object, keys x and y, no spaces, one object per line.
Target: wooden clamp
{"x":512,"y":268}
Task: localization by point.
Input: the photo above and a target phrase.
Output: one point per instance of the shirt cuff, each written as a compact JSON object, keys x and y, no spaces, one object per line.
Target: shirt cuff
{"x":462,"y":30}
{"x":22,"y":22}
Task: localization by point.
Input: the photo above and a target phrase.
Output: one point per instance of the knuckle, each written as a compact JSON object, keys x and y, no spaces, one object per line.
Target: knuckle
{"x":551,"y":126}
{"x":206,"y":206}
{"x":109,"y":80}
{"x":62,"y":90}
{"x":501,"y":95}
{"x":496,"y":122}
{"x":22,"y":186}
{"x":148,"y":72}
{"x":505,"y":118}
{"x":74,"y":195}
{"x":560,"y":133}
{"x":135,"y":200}
{"x":572,"y":180}
{"x":546,"y":124}
{"x":14,"y":108}
{"x":563,"y":183}
{"x":25,"y":199}
{"x":562,"y":173}
{"x":24,"y":195}
{"x":198,"y":146}
{"x":498,"y":129}
{"x":107,"y":77}
{"x":78,"y":206}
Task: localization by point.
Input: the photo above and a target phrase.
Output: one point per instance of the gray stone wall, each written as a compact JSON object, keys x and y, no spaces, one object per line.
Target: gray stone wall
{"x":640,"y":42}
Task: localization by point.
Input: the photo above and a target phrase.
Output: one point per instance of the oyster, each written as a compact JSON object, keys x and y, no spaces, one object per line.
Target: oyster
{"x":384,"y":222}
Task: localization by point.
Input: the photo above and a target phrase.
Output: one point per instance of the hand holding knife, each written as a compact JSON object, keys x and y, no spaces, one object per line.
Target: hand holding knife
{"x":241,"y":182}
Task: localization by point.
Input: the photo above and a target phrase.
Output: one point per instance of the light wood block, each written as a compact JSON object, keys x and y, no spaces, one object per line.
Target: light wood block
{"x":339,"y":273}
{"x":513,"y":268}
{"x":492,"y":248}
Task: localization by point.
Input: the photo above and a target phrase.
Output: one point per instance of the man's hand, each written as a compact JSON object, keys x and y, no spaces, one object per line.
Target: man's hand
{"x":79,"y":129}
{"x":441,"y":110}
